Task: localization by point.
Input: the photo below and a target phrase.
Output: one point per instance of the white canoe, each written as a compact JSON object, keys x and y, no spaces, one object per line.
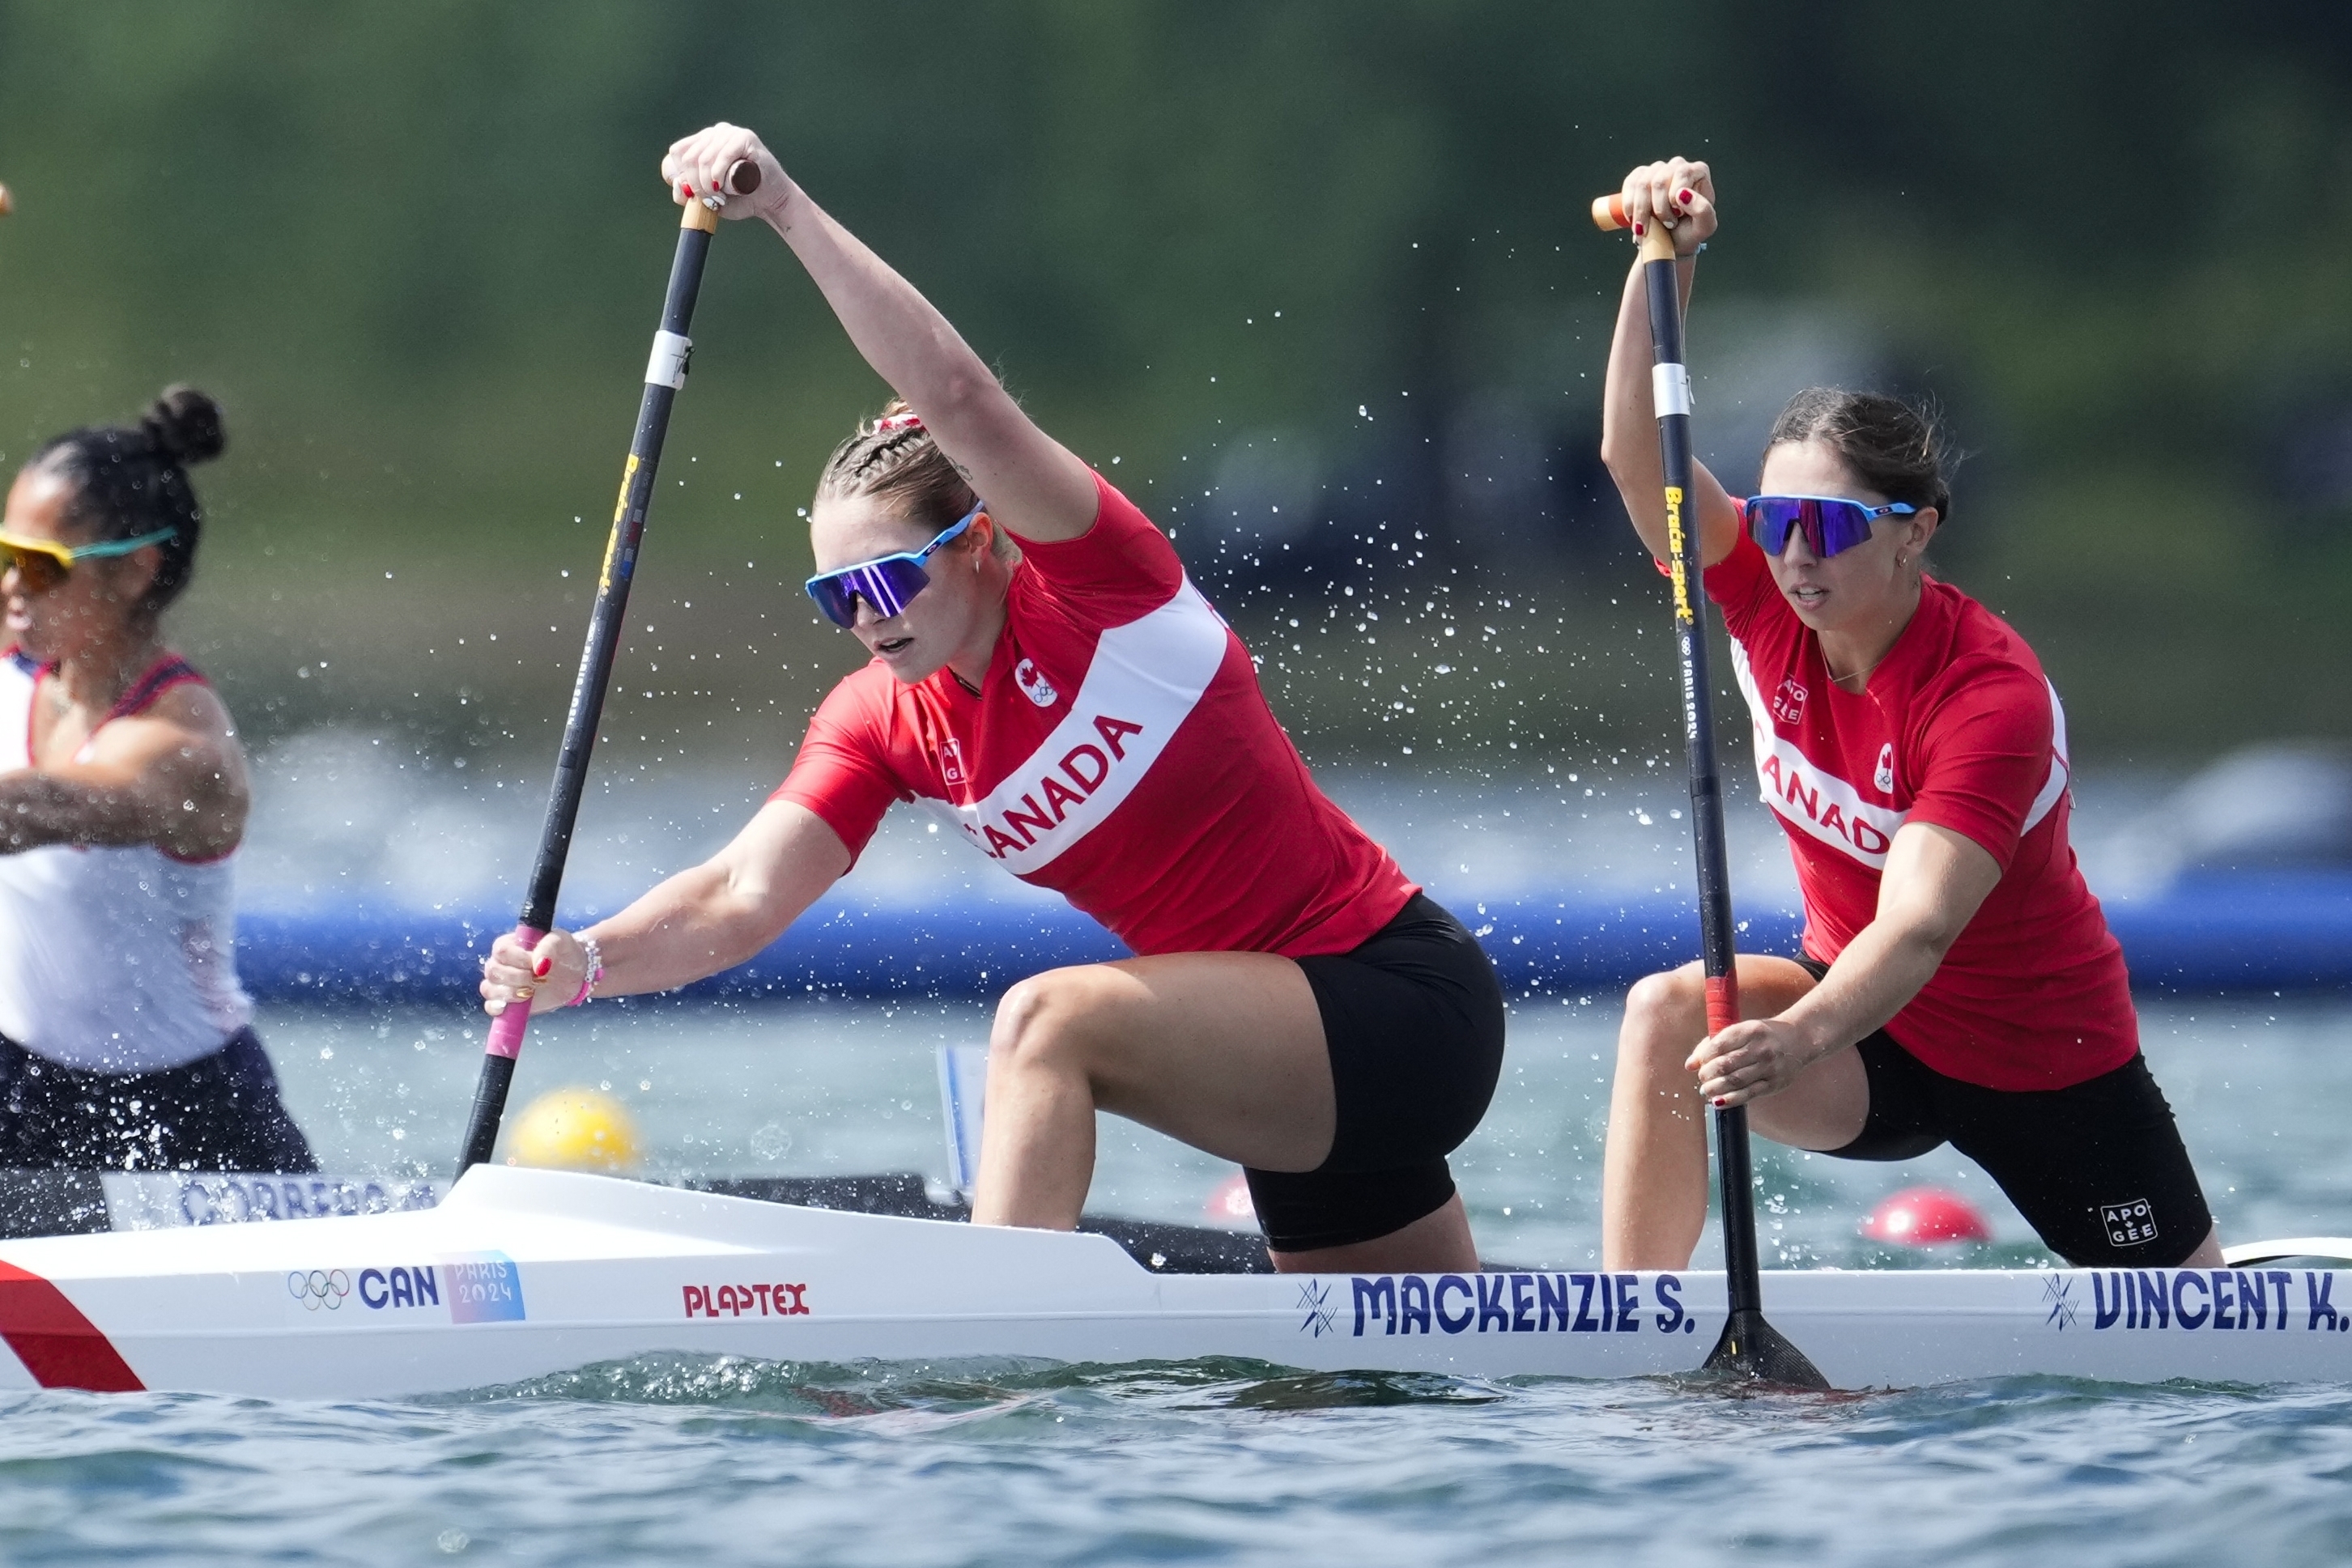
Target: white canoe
{"x":520,"y":1273}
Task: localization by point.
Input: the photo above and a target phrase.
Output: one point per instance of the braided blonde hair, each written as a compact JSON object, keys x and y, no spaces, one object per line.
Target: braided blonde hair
{"x":893,"y":458}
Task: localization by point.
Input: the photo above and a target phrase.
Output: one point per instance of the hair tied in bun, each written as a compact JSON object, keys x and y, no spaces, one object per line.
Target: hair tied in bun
{"x":132,"y":480}
{"x":184,"y":426}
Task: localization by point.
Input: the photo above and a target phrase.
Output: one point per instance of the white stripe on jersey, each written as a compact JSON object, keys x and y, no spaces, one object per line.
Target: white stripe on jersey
{"x":2060,"y":769}
{"x":1820,"y":805}
{"x":1145,"y":678}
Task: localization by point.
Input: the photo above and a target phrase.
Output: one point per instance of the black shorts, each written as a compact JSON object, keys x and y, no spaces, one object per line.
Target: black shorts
{"x":1413,"y":1021}
{"x":2097,"y":1169}
{"x":218,"y":1112}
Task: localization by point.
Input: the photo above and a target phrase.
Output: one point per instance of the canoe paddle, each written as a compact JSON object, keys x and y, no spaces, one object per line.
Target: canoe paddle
{"x":1750,"y":1346}
{"x":665,"y":373}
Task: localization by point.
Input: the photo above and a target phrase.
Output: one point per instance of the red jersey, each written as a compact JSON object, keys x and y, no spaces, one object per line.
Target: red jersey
{"x":1957,"y":727}
{"x":1120,"y":752}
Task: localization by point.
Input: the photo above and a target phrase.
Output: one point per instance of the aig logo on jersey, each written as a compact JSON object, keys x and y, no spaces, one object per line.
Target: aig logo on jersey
{"x":1788,"y":702}
{"x":1033,"y":683}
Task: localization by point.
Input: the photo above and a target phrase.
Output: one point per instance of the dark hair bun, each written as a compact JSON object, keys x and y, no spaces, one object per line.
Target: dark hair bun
{"x":185,"y":425}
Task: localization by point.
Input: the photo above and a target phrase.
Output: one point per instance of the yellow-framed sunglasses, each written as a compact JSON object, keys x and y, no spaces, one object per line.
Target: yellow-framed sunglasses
{"x":42,"y":564}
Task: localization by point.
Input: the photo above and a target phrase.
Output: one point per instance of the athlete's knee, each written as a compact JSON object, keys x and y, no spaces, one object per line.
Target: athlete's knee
{"x":1664,"y":1013}
{"x":1039,"y":1022}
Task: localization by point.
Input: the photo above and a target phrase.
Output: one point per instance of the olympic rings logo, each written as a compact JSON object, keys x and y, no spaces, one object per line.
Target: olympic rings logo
{"x":318,"y":1288}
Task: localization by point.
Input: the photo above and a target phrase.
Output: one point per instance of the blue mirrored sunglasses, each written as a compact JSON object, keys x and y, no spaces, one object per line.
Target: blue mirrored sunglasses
{"x":887,"y":582}
{"x":1830,"y":523}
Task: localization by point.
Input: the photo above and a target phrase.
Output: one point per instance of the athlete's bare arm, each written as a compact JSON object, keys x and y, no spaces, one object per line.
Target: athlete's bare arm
{"x":697,"y":922}
{"x":1629,"y":428}
{"x":172,"y":777}
{"x":1032,"y":484}
{"x":1933,"y":882}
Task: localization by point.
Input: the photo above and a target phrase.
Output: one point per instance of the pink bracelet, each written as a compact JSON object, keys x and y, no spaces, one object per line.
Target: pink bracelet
{"x":595,"y":972}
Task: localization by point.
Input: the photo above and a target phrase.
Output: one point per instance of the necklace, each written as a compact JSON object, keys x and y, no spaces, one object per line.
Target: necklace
{"x":1838,"y":680}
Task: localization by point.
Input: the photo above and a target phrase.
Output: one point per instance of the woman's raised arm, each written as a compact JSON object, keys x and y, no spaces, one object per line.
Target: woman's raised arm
{"x":1032,"y":483}
{"x":1684,"y":193}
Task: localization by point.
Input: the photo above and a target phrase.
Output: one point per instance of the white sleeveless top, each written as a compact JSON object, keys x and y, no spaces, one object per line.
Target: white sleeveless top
{"x":112,"y":959}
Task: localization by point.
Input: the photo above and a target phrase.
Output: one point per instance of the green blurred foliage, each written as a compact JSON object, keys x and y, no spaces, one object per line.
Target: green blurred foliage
{"x":417,"y":250}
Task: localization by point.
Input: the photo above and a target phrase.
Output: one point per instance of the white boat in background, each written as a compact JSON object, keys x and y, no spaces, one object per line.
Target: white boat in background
{"x":519,"y":1273}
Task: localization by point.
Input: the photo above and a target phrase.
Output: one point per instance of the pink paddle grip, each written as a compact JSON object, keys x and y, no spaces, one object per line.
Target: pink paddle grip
{"x":508,"y":1029}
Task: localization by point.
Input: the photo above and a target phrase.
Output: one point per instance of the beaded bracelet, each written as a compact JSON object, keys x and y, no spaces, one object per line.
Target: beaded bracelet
{"x":595,"y":972}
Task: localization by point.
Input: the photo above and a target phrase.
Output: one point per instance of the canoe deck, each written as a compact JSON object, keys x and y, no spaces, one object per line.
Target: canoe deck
{"x":82,"y":1202}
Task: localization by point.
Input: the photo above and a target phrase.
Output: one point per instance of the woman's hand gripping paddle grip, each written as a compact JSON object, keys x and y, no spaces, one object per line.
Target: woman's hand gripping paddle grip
{"x":508,"y":1029}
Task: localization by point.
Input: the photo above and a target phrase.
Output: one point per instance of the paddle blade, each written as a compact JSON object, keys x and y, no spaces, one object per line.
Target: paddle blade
{"x":1752,"y":1348}
{"x":963,"y":1092}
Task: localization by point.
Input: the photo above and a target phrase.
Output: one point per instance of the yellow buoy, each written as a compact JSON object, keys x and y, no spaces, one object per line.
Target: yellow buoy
{"x":573,"y":1129}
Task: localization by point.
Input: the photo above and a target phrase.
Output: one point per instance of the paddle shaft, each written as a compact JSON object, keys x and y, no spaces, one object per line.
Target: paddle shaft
{"x":665,"y":373}
{"x":1670,"y":388}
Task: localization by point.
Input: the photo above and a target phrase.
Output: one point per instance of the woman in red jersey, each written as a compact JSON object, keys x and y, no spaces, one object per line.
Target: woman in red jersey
{"x":1958,"y":981}
{"x":1045,"y":678}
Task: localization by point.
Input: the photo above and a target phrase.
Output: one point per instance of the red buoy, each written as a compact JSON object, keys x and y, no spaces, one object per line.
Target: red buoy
{"x":1926,"y":1217}
{"x":1230,"y":1203}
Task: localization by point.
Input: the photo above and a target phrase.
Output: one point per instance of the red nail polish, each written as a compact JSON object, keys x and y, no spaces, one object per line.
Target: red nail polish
{"x":1718,"y":1101}
{"x":542,"y":967}
{"x":1637,"y":231}
{"x":1684,"y":198}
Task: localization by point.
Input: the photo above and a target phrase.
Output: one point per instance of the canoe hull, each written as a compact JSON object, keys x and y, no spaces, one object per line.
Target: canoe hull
{"x":520,"y":1273}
